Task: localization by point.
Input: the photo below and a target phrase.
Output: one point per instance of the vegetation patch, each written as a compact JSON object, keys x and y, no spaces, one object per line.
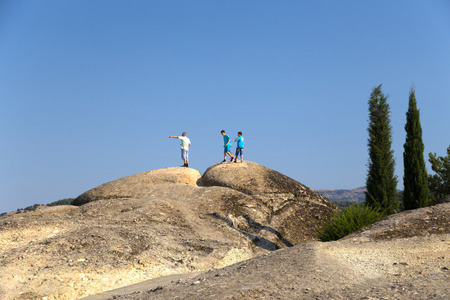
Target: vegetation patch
{"x":67,"y":201}
{"x":349,"y":220}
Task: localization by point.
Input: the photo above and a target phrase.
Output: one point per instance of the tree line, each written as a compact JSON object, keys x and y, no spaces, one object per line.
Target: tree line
{"x":420,"y":189}
{"x":382,"y":198}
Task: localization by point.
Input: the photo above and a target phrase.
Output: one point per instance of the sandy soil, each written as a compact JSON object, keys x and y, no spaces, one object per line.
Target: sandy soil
{"x":404,"y":256}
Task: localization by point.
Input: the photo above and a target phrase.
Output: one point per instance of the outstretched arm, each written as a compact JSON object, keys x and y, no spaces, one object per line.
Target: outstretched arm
{"x":173,"y":136}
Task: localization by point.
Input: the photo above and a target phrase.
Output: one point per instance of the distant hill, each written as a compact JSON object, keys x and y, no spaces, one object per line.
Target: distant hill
{"x":353,"y":195}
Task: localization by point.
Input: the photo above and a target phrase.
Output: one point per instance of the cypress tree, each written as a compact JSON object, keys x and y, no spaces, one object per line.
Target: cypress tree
{"x":415,"y":178}
{"x":381,"y":183}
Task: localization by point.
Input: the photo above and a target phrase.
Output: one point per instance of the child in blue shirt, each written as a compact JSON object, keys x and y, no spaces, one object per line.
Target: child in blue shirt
{"x":226,"y":146}
{"x":240,"y":147}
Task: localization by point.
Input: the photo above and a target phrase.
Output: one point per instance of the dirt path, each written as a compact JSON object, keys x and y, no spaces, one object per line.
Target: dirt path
{"x":152,"y":284}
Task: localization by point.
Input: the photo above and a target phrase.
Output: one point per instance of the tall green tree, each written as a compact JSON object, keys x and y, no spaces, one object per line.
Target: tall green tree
{"x":439,"y":183}
{"x":381,"y":182}
{"x":415,"y":178}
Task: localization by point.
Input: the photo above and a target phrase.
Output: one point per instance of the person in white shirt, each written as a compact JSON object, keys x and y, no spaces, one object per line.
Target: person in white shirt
{"x":185,"y":143}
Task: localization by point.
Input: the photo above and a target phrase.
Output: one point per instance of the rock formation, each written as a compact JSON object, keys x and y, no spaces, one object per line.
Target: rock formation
{"x":403,"y":256}
{"x":290,"y":207}
{"x":152,"y":224}
{"x":139,"y":185}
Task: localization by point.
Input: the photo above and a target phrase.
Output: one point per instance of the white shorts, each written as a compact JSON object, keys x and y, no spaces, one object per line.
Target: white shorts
{"x":184,"y":154}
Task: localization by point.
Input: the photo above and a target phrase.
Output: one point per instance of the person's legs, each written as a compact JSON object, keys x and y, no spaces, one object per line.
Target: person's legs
{"x":239,"y":151}
{"x":184,"y":157}
{"x":231,"y":155}
{"x":227,"y":151}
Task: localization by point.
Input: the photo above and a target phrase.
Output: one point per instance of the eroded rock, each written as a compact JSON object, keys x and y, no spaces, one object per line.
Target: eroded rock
{"x":153,"y":224}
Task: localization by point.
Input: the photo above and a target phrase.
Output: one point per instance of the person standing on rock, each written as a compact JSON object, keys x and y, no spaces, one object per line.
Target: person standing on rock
{"x":226,"y":146}
{"x":185,"y":143}
{"x":239,"y":147}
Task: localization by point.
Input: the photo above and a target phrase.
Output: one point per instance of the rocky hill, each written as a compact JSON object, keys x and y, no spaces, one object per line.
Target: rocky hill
{"x":403,"y":256}
{"x":162,"y":222}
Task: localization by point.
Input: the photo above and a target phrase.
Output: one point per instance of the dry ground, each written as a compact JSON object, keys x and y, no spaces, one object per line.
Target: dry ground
{"x":404,"y":256}
{"x":153,"y":224}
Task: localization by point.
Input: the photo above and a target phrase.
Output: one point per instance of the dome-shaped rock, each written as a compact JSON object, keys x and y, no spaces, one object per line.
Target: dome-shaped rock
{"x":294,"y":210}
{"x":139,"y":184}
{"x":254,"y":179}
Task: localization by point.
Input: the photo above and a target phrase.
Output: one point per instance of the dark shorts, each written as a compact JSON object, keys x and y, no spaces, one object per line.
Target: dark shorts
{"x":239,"y":151}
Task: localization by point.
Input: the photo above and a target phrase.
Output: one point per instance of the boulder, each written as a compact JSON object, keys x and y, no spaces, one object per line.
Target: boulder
{"x":294,"y":211}
{"x":139,"y":185}
{"x":254,"y":179}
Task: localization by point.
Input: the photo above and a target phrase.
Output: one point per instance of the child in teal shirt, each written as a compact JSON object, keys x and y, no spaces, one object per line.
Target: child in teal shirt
{"x":240,"y":147}
{"x":226,"y":146}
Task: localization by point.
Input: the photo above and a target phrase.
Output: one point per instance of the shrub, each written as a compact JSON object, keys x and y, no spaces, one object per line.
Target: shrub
{"x":67,"y":201}
{"x":343,"y":204}
{"x":436,"y":199}
{"x":31,"y":208}
{"x":349,"y":220}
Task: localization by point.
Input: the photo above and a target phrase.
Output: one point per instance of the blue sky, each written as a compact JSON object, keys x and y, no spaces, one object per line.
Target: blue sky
{"x":91,"y":90}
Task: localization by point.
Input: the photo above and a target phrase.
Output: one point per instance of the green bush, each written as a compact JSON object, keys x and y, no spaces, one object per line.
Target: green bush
{"x":349,"y":220}
{"x":67,"y":201}
{"x":344,"y":204}
{"x":31,"y":208}
{"x":436,"y":199}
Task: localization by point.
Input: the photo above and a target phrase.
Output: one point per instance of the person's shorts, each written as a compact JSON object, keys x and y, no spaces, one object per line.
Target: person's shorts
{"x":227,"y":148}
{"x":239,"y":151}
{"x":184,"y":154}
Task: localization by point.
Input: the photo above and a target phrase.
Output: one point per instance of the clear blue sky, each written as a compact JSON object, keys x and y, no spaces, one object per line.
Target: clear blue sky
{"x":91,"y":90}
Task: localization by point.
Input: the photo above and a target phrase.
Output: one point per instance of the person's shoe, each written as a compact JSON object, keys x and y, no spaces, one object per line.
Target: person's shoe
{"x":231,"y":159}
{"x":224,"y":160}
{"x":235,"y":160}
